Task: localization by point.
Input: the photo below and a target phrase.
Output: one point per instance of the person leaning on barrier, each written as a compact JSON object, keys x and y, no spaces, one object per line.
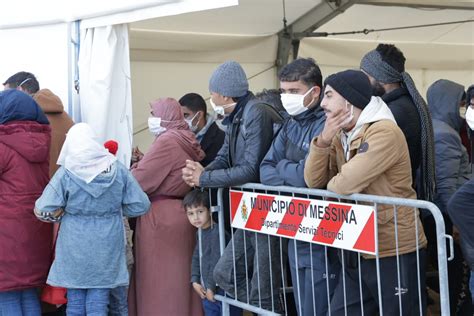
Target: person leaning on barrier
{"x":362,"y":150}
{"x":301,"y":85}
{"x":249,"y":133}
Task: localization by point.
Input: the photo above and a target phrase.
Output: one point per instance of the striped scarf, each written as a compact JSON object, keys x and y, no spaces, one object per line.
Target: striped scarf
{"x":373,"y":64}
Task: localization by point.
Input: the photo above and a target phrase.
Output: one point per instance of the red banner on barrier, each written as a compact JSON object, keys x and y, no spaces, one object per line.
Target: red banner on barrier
{"x":340,"y":225}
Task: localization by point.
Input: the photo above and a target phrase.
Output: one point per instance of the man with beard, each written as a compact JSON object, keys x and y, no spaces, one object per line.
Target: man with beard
{"x":385,"y":67}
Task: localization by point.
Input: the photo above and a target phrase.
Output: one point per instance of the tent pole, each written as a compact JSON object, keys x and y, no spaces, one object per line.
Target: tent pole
{"x":290,"y":35}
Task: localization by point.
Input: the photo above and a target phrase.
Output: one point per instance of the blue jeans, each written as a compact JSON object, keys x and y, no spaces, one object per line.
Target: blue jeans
{"x":20,"y":303}
{"x":90,"y":302}
{"x":118,"y":301}
{"x":313,"y":284}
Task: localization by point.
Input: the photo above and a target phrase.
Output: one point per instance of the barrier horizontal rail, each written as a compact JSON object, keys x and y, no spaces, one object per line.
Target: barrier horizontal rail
{"x":357,"y":198}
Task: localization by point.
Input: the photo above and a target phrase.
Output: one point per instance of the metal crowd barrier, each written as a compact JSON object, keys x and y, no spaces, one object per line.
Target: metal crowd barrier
{"x":273,"y":287}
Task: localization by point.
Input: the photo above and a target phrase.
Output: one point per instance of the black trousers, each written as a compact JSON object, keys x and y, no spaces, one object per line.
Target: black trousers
{"x":410,"y":293}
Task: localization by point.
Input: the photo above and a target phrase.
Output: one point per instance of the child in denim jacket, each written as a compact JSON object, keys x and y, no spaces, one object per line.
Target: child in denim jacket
{"x":89,"y":194}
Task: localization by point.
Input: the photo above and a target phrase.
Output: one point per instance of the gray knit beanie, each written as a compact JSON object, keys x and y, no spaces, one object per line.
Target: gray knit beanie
{"x":229,"y":80}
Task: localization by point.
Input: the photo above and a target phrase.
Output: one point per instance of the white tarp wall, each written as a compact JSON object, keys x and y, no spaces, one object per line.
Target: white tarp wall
{"x":41,"y":50}
{"x":105,"y":91}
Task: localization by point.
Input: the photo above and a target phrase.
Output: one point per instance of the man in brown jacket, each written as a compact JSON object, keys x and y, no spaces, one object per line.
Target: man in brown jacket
{"x":362,"y":150}
{"x":51,"y":105}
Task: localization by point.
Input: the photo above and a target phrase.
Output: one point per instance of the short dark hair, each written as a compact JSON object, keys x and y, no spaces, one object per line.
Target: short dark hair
{"x":272,"y":97}
{"x":27,"y":80}
{"x":194,"y":102}
{"x":392,"y":56}
{"x":304,"y":69}
{"x":196,"y":197}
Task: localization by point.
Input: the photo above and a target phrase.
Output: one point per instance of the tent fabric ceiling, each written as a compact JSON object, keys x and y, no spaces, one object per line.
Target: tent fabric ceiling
{"x":360,"y":17}
{"x":448,"y":47}
{"x":250,"y":17}
{"x":244,"y":33}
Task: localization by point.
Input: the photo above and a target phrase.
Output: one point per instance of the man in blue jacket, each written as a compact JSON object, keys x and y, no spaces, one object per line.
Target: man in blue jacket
{"x":301,"y":85}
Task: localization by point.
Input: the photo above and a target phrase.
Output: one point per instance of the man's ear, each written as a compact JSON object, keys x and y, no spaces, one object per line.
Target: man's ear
{"x":316,"y":93}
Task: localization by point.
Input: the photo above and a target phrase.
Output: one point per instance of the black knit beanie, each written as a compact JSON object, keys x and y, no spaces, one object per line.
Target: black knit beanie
{"x":353,"y":85}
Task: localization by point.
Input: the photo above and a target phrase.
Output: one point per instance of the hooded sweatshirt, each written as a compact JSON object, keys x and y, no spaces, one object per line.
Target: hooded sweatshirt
{"x":59,"y":121}
{"x":451,"y":159}
{"x":375,"y":111}
{"x":25,"y":242}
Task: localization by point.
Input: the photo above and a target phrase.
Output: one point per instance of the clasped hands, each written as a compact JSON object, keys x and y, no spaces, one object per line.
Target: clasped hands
{"x":192,"y":172}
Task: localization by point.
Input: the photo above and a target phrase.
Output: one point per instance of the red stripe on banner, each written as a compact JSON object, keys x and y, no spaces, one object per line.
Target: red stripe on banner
{"x":260,"y":209}
{"x":331,"y":223}
{"x":366,"y":240}
{"x":290,"y":222}
{"x":235,"y":198}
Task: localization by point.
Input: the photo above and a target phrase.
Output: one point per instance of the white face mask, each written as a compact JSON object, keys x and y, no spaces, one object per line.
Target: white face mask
{"x":294,"y":103}
{"x":470,"y":117}
{"x":154,"y":125}
{"x":219,"y":110}
{"x":192,"y":127}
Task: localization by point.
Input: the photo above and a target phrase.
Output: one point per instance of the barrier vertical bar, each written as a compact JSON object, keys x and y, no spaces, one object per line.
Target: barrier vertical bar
{"x":395,"y":217}
{"x":377,"y":258}
{"x":222,"y":242}
{"x":442,"y":262}
{"x":418,"y":261}
{"x":360,"y":285}
{"x":271,"y":274}
{"x":283,"y":277}
{"x":327,"y":279}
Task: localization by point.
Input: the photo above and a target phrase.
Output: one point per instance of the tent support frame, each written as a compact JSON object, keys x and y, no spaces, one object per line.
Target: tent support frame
{"x":290,"y":37}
